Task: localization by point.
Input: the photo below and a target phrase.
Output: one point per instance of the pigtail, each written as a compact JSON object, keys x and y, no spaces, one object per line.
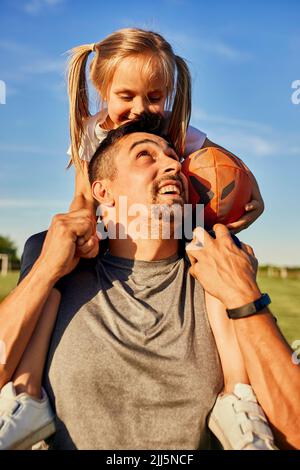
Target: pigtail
{"x":181,"y":109}
{"x":78,"y":97}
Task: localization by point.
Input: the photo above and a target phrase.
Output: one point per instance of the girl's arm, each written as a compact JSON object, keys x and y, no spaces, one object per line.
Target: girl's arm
{"x":29,"y":374}
{"x":83,"y":198}
{"x":231,"y":358}
{"x":253,"y":209}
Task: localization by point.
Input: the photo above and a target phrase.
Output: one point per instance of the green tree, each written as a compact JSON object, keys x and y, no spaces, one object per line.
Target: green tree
{"x":8,"y":246}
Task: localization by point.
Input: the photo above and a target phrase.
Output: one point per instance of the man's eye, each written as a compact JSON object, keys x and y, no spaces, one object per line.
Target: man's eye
{"x":144,"y":153}
{"x":126,"y":98}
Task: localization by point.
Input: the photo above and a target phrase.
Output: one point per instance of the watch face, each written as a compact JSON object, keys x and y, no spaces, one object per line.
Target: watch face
{"x":262,"y":302}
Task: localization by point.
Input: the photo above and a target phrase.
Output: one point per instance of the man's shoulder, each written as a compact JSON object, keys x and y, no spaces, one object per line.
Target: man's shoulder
{"x":83,"y":274}
{"x":32,"y":250}
{"x":35,"y":242}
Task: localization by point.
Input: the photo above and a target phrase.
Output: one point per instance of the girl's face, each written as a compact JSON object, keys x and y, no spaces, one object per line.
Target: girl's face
{"x":134,"y":91}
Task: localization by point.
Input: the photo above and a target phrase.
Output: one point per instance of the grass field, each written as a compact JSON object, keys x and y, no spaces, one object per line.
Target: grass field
{"x":285,"y":295}
{"x":7,"y":283}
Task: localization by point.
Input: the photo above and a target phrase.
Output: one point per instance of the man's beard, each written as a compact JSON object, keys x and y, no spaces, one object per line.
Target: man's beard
{"x":169,"y":214}
{"x":156,"y":197}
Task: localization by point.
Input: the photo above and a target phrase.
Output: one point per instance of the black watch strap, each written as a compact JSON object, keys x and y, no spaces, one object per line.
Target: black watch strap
{"x":249,"y":309}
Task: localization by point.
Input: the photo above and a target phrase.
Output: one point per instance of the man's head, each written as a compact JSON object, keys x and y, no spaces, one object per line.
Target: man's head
{"x":137,"y":161}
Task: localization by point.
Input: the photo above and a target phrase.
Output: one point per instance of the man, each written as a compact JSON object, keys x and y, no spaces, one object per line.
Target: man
{"x":133,"y":363}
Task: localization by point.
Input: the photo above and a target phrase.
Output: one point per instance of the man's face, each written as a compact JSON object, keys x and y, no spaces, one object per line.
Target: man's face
{"x":148,"y":172}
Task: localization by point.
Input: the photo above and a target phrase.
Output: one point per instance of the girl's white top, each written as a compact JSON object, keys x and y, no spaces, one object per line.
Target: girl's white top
{"x":94,"y":134}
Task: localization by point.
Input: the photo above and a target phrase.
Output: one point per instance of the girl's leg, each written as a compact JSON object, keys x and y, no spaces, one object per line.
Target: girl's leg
{"x":229,"y":351}
{"x":28,"y":375}
{"x":236,"y":409}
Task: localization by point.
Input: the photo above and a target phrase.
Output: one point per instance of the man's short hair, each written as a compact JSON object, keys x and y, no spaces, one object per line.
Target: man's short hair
{"x":102,"y":164}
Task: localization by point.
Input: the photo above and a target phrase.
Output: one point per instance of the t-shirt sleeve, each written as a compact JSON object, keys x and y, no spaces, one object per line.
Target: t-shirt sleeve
{"x":89,"y":141}
{"x":31,"y":252}
{"x":86,"y":150}
{"x":194,"y":140}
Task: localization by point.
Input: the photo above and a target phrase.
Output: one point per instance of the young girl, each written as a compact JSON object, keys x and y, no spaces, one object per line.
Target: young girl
{"x":133,"y":71}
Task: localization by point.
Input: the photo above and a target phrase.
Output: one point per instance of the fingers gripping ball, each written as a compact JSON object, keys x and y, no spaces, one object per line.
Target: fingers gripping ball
{"x":221,"y":182}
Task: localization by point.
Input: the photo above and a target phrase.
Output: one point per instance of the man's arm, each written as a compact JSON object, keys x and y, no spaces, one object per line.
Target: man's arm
{"x":19,"y":314}
{"x":228,"y":273}
{"x":273,"y":375}
{"x":20,"y":311}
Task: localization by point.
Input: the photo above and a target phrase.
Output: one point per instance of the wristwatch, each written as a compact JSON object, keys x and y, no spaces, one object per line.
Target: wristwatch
{"x":249,"y":309}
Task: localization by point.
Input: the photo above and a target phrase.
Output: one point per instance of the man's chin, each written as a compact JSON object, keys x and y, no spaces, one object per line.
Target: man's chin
{"x":168,"y":211}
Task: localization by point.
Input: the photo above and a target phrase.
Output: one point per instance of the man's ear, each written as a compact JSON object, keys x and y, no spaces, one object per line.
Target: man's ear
{"x":101,"y":191}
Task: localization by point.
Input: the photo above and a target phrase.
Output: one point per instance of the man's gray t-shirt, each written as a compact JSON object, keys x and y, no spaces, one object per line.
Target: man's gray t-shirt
{"x":132,"y":363}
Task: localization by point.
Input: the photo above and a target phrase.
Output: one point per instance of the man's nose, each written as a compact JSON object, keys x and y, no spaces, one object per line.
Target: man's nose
{"x":170,"y":165}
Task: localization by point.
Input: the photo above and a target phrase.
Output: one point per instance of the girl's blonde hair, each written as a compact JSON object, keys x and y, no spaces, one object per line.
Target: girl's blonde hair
{"x":108,"y":54}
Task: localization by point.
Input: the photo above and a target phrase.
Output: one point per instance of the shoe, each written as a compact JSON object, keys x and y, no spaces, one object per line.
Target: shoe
{"x":24,"y":420}
{"x":239,"y":423}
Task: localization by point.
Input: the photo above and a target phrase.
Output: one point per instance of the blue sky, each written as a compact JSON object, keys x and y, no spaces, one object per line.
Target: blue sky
{"x":243,"y":57}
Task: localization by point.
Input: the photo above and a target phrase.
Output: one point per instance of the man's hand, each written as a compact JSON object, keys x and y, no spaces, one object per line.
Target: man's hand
{"x":88,"y":249}
{"x":69,"y":237}
{"x":224,"y":270}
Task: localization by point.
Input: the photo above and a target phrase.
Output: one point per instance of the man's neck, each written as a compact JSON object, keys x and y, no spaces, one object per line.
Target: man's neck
{"x":144,"y":250}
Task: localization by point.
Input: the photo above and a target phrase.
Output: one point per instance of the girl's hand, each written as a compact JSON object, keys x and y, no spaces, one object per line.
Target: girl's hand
{"x":253,"y":210}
